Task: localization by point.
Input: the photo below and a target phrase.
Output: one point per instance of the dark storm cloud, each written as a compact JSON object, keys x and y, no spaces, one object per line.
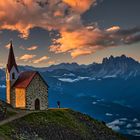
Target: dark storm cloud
{"x":128,"y":36}
{"x":129,"y":31}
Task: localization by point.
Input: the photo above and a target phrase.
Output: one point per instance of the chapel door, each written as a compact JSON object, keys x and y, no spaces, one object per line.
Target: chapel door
{"x":37,"y":104}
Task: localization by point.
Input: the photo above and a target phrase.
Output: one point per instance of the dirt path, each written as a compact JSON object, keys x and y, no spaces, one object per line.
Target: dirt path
{"x":17,"y":116}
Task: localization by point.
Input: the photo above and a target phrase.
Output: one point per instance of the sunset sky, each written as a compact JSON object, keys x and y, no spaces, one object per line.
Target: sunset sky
{"x":46,"y":32}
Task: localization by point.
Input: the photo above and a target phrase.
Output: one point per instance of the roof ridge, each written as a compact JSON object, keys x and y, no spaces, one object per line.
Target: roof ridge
{"x":24,"y":79}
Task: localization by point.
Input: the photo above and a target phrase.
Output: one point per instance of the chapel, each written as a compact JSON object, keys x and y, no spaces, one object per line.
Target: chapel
{"x":26,"y":89}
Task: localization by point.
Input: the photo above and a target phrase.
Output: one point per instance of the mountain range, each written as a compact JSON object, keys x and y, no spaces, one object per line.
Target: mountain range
{"x":121,"y":66}
{"x":124,"y":67}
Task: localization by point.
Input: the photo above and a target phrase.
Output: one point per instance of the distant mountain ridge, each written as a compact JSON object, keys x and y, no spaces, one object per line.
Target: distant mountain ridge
{"x":120,"y":66}
{"x":116,"y":67}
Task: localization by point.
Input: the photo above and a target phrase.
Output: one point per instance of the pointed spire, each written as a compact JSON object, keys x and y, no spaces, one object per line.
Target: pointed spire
{"x":11,"y":58}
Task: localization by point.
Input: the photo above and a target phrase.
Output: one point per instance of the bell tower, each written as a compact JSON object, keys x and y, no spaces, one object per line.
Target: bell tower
{"x":12,"y":73}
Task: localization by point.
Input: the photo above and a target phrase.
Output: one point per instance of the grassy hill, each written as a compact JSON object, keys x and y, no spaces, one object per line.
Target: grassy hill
{"x":57,"y":124}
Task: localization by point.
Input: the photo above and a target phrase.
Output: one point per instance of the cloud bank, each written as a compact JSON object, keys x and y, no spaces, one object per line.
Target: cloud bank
{"x":32,"y":48}
{"x":47,"y":14}
{"x":43,"y":58}
{"x":27,"y":57}
{"x":65,"y":17}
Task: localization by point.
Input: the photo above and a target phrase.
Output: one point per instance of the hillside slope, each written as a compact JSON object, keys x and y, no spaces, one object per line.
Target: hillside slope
{"x":57,"y":124}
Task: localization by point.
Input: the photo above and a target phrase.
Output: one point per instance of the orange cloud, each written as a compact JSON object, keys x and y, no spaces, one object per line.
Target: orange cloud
{"x":52,"y":15}
{"x":80,"y":5}
{"x":88,"y":40}
{"x":49,"y":15}
{"x":58,"y":13}
{"x":51,"y":62}
{"x":13,"y":20}
{"x":78,"y":52}
{"x":78,"y":42}
{"x":113,"y":29}
{"x":32,"y":48}
{"x":23,"y":29}
{"x":40,"y":59}
{"x":27,"y":57}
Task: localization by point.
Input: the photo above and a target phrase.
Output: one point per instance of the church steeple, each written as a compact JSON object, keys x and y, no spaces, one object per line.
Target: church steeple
{"x":12,"y":73}
{"x":11,"y":59}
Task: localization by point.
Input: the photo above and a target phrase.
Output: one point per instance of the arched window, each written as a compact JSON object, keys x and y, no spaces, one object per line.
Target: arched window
{"x":13,"y":75}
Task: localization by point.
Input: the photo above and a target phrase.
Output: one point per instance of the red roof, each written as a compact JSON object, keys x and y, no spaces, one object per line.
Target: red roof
{"x":24,"y":79}
{"x":11,"y":59}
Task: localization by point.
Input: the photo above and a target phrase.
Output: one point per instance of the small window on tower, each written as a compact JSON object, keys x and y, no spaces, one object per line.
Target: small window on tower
{"x":13,"y":75}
